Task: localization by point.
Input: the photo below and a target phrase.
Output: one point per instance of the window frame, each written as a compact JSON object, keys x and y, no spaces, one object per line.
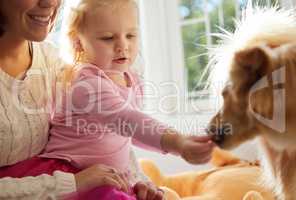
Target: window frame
{"x":163,"y":50}
{"x":163,"y":53}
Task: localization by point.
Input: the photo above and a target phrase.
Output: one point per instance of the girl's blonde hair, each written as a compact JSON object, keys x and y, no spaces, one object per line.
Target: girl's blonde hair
{"x":77,"y":19}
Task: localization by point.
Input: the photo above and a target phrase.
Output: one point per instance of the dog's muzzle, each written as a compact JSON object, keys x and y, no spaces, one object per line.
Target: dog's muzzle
{"x":218,"y":134}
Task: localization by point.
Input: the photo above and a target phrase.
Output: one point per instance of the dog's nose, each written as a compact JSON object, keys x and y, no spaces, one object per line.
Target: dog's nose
{"x":217,"y":133}
{"x":219,"y":137}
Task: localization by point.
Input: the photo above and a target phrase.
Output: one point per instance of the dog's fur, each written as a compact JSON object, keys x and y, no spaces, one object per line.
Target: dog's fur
{"x":264,"y":41}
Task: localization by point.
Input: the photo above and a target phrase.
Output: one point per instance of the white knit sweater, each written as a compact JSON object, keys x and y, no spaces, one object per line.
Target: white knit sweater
{"x":24,"y":122}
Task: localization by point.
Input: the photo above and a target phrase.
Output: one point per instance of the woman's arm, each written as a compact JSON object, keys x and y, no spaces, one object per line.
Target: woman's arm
{"x":43,"y":186}
{"x":39,"y":187}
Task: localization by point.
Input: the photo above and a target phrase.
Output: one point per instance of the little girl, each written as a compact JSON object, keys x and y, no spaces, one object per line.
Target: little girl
{"x":99,"y":116}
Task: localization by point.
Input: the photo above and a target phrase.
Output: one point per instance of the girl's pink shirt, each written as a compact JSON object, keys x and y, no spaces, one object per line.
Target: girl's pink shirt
{"x":97,"y":120}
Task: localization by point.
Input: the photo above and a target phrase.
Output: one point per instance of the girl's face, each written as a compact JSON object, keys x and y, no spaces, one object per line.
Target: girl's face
{"x":109,"y":38}
{"x":29,"y":19}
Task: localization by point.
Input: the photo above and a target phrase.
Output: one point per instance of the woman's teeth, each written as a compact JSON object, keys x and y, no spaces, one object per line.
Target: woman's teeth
{"x":41,"y":19}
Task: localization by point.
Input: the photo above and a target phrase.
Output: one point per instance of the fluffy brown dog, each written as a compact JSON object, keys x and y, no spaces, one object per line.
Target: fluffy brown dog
{"x":260,"y":97}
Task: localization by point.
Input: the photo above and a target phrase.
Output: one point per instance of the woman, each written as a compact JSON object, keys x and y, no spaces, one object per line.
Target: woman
{"x":27,"y":79}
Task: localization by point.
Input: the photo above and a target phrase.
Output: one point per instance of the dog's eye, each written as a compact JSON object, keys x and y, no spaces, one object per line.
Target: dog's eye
{"x":225,"y":92}
{"x":226,"y":89}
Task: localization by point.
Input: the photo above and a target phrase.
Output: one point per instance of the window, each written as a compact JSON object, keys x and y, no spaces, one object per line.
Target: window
{"x":176,"y":34}
{"x":199,"y":19}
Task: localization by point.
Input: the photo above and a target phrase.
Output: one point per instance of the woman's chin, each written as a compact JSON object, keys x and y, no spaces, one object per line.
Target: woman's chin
{"x":37,"y":36}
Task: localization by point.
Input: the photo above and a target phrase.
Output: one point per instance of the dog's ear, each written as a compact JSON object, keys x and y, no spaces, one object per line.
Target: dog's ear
{"x":252,"y":59}
{"x":249,"y":66}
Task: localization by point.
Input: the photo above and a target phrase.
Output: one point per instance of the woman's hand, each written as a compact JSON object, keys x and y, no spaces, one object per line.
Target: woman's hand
{"x":99,"y":175}
{"x":193,"y":149}
{"x":148,"y":191}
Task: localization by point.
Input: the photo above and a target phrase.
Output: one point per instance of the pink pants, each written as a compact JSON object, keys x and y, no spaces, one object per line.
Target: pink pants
{"x":37,"y":166}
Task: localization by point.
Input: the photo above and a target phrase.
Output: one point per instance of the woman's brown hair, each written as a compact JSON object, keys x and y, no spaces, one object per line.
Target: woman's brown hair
{"x":2,"y":22}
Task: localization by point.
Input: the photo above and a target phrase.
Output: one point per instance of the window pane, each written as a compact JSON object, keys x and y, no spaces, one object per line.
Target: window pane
{"x":200,"y":18}
{"x":191,"y":9}
{"x":222,"y":15}
{"x":194,"y":41}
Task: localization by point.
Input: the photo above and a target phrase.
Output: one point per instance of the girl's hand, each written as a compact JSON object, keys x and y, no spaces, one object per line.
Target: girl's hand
{"x":99,"y":175}
{"x":193,"y":149}
{"x":196,"y":149}
{"x":148,"y":191}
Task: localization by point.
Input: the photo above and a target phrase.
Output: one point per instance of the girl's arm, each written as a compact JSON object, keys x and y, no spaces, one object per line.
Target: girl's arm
{"x":96,"y":98}
{"x":39,"y":187}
